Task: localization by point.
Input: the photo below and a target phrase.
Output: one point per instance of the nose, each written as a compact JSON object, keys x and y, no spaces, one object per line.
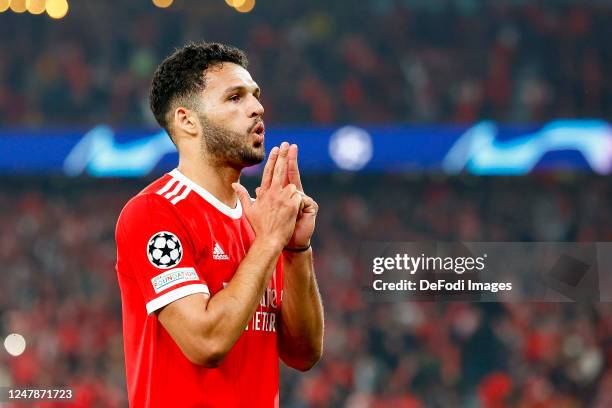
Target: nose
{"x":256,"y":108}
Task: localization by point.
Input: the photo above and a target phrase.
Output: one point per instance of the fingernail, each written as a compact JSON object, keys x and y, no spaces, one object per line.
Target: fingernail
{"x":274,"y":150}
{"x":284,"y":145}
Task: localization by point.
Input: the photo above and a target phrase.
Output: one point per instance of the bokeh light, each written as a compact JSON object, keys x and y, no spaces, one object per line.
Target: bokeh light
{"x":163,"y":3}
{"x":57,"y":8}
{"x":15,"y":344}
{"x":235,"y":3}
{"x":246,"y":7}
{"x":36,"y":6}
{"x":18,"y":6}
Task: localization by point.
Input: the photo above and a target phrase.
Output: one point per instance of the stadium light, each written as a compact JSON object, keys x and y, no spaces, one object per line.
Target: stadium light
{"x":57,"y":8}
{"x":163,"y":3}
{"x":246,"y":7}
{"x":242,"y":6}
{"x":15,"y":344}
{"x":18,"y":6}
{"x":36,"y":6}
{"x":4,"y":5}
{"x":235,"y":3}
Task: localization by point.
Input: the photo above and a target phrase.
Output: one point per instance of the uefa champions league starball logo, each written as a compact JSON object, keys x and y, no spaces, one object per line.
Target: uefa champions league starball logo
{"x":164,"y":250}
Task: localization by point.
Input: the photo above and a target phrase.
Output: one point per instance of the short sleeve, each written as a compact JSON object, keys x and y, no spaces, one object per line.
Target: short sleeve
{"x":155,"y":249}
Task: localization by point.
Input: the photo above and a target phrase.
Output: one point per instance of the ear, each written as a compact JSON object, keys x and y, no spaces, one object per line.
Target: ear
{"x":186,"y":121}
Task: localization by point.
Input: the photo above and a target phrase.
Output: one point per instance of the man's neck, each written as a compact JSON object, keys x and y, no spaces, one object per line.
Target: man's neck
{"x":216,"y":179}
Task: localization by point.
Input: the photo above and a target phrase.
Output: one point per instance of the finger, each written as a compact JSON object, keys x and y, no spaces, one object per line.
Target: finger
{"x":243,"y":195}
{"x":280,"y":168}
{"x":310,"y":205}
{"x":266,"y":177}
{"x":290,"y":190}
{"x":296,"y":194}
{"x":297,"y":200}
{"x":293,"y":172}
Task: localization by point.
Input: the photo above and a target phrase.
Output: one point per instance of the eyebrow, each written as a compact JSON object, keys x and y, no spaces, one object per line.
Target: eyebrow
{"x":240,"y":88}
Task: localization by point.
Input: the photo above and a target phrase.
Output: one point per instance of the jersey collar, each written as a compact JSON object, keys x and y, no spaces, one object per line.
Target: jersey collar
{"x":234,"y":213}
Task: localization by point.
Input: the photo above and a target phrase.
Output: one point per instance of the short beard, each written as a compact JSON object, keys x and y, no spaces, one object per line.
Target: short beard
{"x":229,"y":147}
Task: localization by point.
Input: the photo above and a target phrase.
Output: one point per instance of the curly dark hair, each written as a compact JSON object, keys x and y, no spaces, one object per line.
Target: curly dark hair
{"x":181,"y":75}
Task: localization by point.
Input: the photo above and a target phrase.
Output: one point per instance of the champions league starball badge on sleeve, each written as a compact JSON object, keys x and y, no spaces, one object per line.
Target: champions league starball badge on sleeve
{"x":164,"y":250}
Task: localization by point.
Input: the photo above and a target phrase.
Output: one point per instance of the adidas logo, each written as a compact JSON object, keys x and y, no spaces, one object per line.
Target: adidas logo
{"x":218,"y":253}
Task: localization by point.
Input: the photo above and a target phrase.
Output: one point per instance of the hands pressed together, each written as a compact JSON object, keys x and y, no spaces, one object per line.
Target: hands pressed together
{"x":282,"y":214}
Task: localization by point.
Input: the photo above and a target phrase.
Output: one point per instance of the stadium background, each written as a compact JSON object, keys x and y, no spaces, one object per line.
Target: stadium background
{"x":410,"y":66}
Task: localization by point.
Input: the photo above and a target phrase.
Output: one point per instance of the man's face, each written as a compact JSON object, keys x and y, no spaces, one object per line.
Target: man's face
{"x":232,"y":116}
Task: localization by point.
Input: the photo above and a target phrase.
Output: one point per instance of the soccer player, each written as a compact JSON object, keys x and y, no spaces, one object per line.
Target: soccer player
{"x":216,"y":286}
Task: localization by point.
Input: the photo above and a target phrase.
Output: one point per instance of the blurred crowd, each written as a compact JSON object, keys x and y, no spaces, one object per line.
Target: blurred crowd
{"x":60,"y":292}
{"x":321,"y":62}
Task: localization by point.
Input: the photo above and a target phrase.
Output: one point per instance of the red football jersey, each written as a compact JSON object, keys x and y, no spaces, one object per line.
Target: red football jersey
{"x":176,"y":239}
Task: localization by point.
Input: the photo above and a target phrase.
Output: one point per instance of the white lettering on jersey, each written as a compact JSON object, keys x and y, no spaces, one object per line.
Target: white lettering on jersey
{"x":266,"y":320}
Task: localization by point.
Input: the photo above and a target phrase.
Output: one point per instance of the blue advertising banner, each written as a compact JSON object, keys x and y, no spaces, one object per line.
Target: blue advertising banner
{"x":482,"y":149}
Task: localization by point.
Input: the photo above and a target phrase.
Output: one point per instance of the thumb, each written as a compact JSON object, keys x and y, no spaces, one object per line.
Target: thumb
{"x":243,"y":195}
